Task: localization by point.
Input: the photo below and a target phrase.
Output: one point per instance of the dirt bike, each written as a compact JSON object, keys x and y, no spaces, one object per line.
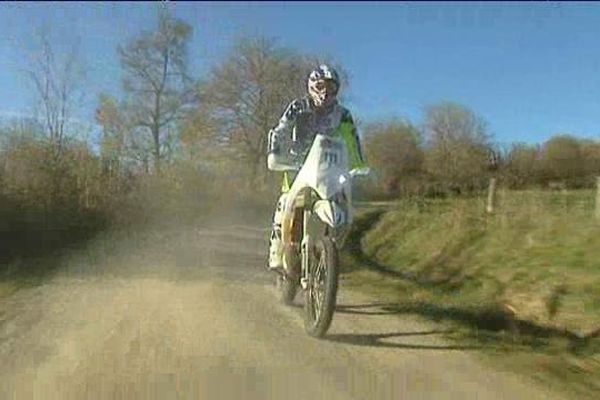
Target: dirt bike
{"x":315,"y":216}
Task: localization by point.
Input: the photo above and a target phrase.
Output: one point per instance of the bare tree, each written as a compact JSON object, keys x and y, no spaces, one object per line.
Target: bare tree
{"x":458,"y":145}
{"x":57,"y":81}
{"x":521,"y":167}
{"x":393,"y":149}
{"x":248,"y":92}
{"x":112,"y":140}
{"x":198,"y":138}
{"x":157,"y":85}
{"x":561,"y":160}
{"x":590,"y":152}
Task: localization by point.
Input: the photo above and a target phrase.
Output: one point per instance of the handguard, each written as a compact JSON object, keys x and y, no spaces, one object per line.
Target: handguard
{"x":278,"y":163}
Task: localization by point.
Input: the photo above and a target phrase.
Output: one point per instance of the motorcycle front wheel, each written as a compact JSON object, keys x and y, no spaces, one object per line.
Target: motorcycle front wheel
{"x":321,"y":292}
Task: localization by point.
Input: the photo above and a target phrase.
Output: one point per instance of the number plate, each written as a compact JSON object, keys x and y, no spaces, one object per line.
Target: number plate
{"x":330,"y":158}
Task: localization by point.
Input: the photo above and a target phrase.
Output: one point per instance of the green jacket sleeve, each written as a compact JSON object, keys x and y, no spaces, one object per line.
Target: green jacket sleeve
{"x":349,"y":133}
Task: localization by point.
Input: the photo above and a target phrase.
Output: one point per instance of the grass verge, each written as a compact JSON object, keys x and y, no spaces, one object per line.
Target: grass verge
{"x":522,"y":283}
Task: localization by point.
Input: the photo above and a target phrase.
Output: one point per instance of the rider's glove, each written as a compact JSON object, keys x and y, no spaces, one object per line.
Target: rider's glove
{"x":274,"y":145}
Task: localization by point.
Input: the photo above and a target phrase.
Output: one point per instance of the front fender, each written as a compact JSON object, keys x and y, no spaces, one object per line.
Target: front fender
{"x":330,"y":212}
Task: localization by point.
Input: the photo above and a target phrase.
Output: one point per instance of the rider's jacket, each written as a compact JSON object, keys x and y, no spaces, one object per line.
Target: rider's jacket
{"x":300,"y":123}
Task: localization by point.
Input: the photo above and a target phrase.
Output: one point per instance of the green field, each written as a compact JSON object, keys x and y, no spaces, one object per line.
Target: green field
{"x":523,"y":282}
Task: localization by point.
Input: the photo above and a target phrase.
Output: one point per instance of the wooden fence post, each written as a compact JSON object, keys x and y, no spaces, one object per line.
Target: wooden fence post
{"x":491,"y":200}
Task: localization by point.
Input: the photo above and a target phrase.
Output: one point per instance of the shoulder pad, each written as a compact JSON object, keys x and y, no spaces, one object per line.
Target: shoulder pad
{"x":346,"y":115}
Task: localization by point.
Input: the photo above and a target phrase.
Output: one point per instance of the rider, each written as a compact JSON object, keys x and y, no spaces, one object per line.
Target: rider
{"x":316,"y":113}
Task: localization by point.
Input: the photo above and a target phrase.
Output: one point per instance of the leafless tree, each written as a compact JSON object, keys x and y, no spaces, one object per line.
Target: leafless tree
{"x":249,"y":91}
{"x":561,"y":160}
{"x":57,"y":81}
{"x":458,"y":145}
{"x":157,"y":85}
{"x":393,"y":148}
{"x":520,"y":169}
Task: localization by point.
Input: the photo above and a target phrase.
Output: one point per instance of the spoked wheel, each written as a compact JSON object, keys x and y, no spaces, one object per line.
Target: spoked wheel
{"x":320,"y":295}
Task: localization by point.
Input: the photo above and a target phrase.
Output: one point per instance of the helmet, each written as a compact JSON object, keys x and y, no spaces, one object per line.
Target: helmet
{"x":323,"y":85}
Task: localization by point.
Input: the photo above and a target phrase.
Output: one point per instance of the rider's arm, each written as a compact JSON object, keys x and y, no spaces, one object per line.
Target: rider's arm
{"x":281,"y":134}
{"x":352,"y":140}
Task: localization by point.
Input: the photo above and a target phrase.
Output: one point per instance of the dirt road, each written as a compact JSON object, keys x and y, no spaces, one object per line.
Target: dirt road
{"x":206,"y":325}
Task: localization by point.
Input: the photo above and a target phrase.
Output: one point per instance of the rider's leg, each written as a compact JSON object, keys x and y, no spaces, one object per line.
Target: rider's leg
{"x":275,"y":239}
{"x":275,"y":243}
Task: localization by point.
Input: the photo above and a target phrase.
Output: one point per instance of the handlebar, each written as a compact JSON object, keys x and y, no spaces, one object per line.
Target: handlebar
{"x":275,"y":163}
{"x":366,"y":171}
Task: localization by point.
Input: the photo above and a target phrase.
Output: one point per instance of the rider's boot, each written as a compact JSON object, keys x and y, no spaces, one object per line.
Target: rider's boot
{"x":275,"y":249}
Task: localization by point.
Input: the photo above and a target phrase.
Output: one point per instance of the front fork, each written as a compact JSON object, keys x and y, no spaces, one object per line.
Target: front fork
{"x":305,"y":246}
{"x":337,"y":234}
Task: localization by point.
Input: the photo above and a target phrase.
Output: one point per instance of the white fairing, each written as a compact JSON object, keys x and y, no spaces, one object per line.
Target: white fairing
{"x":330,"y":212}
{"x":325,"y":171}
{"x":326,"y":162}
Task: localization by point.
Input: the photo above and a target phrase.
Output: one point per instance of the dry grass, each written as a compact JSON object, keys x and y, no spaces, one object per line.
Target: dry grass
{"x":525,"y":281}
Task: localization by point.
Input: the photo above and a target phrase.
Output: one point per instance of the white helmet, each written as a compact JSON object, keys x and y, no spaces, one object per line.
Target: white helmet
{"x":323,"y":85}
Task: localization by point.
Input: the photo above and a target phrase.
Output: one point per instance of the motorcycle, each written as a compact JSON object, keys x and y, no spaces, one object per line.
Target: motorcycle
{"x":315,"y":216}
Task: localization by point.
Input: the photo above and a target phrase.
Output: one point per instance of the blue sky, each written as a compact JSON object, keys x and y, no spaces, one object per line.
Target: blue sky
{"x":530,"y":69}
